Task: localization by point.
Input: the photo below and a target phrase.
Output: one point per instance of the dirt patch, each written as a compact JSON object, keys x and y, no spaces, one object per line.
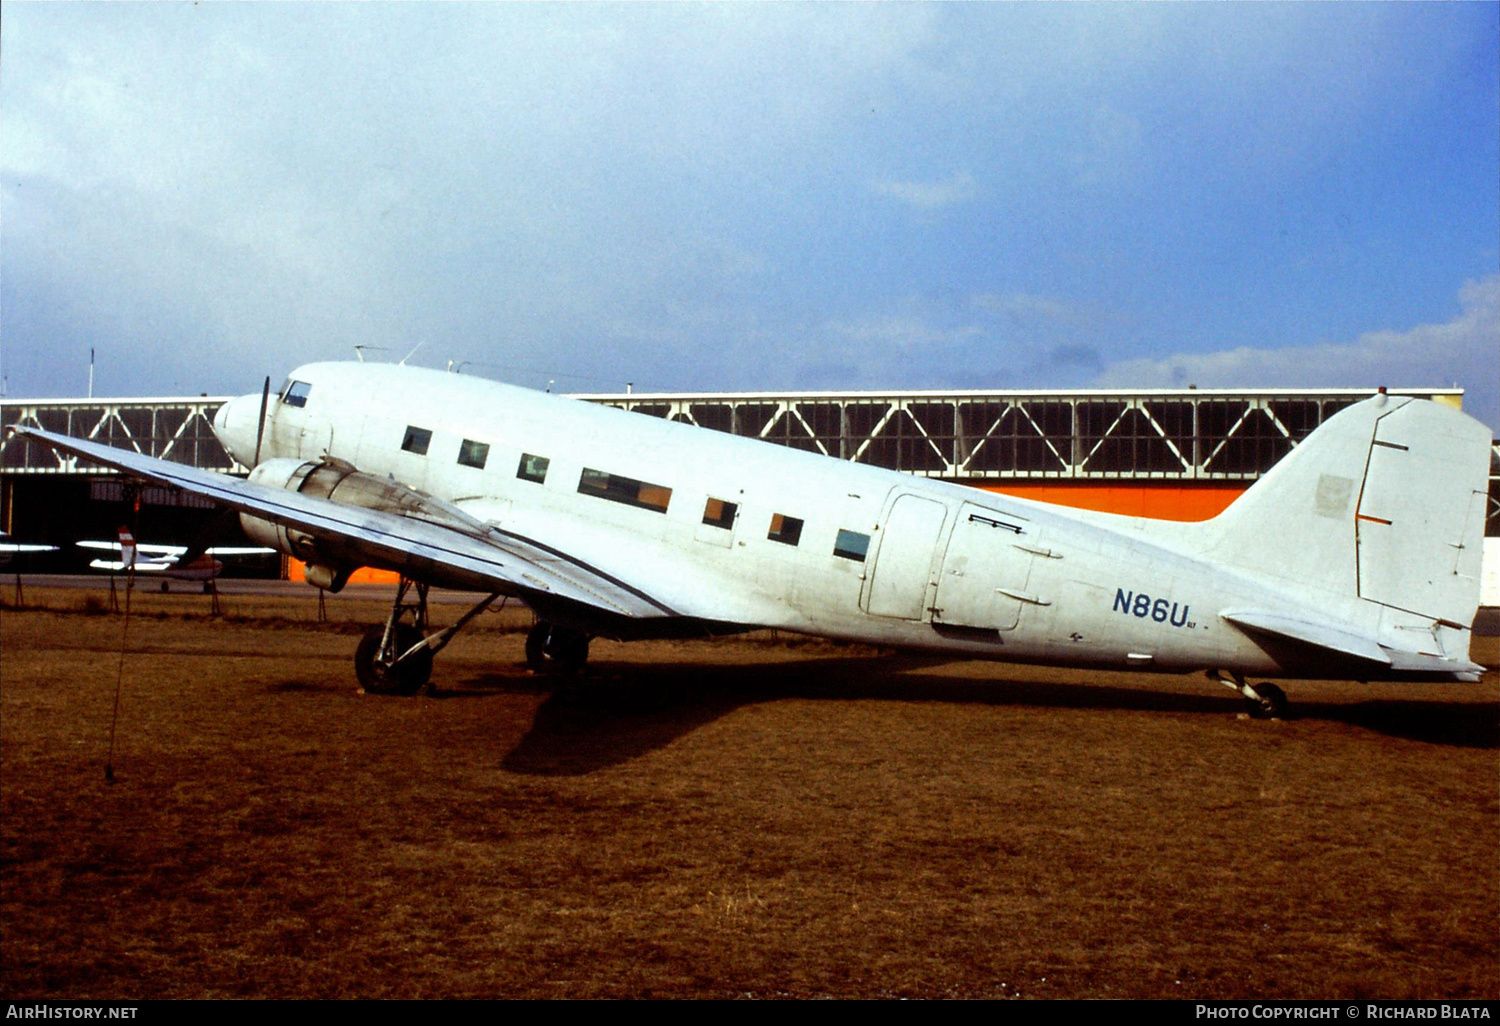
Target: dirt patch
{"x":742,"y":817}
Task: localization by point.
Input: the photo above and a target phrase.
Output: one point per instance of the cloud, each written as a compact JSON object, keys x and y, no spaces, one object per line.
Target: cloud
{"x":929,"y":196}
{"x":1024,"y":308}
{"x":1113,"y":151}
{"x":916,"y":344}
{"x":900,"y":332}
{"x":1463,"y":351}
{"x":722,"y":196}
{"x":1086,"y":357}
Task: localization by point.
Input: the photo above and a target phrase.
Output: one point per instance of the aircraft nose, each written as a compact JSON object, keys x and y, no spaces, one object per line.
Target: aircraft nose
{"x":235,"y":425}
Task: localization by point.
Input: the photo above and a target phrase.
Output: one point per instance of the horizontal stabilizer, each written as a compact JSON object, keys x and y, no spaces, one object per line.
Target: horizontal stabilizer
{"x":1320,"y":635}
{"x":1342,"y":641}
{"x":1419,"y":662}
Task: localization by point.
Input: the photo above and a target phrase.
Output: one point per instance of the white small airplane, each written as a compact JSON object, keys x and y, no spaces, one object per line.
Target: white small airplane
{"x":149,"y":558}
{"x":9,"y":550}
{"x":1356,"y":557}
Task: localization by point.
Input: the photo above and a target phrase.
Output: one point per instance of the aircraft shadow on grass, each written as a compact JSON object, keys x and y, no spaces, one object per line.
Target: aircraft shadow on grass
{"x":619,"y":712}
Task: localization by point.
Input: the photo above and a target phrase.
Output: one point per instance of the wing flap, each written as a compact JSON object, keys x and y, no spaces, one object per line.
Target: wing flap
{"x":506,"y":562}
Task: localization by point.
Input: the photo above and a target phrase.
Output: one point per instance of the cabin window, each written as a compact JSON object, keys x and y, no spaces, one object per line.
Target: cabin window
{"x":852,"y":545}
{"x":785,"y":529}
{"x":473,"y":454}
{"x":296,"y":393}
{"x":417,"y":440}
{"x":625,"y":490}
{"x":718,"y":513}
{"x":532,"y":468}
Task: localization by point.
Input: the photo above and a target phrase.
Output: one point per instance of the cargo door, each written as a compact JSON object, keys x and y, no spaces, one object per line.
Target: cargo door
{"x":902,"y":573}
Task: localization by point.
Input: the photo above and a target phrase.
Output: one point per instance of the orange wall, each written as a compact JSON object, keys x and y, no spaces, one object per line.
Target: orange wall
{"x":1163,"y":502}
{"x":296,"y":570}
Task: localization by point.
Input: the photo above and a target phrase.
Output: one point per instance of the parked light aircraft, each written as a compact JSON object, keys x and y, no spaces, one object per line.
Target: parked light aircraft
{"x":1356,"y":557}
{"x":145,"y":557}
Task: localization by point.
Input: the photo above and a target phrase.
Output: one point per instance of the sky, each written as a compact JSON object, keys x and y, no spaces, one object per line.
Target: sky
{"x":752,"y":197}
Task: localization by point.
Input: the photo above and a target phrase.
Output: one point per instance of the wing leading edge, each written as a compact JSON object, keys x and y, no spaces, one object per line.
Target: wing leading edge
{"x":503,"y":561}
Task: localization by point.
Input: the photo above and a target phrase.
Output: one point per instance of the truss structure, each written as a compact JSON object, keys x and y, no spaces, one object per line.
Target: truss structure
{"x":1189,"y":435}
{"x":171,"y":429}
{"x":1182,"y":435}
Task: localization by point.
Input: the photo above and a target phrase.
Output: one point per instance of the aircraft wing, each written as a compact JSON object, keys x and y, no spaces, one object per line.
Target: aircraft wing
{"x":140,"y":566}
{"x":171,"y":552}
{"x":147,"y":551}
{"x":507,"y":564}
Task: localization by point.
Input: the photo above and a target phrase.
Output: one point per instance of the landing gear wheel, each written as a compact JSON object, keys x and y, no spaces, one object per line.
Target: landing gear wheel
{"x":554,"y":649}
{"x":1269,"y":703}
{"x":375,"y":670}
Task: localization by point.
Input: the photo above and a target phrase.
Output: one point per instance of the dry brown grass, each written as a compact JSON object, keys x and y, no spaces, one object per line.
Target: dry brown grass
{"x":740,"y":817}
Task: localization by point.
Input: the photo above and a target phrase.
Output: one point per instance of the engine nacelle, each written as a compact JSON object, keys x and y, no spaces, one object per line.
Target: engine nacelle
{"x":331,"y":560}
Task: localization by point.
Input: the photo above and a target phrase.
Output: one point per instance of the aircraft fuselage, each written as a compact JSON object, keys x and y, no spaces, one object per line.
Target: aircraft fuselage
{"x":748,"y":533}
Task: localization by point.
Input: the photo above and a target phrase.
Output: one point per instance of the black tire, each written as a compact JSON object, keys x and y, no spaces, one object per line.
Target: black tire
{"x":407,"y":678}
{"x":554,"y":649}
{"x":1272,"y":704}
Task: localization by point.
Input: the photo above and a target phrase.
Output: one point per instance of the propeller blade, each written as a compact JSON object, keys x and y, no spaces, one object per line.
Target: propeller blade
{"x":260,"y":425}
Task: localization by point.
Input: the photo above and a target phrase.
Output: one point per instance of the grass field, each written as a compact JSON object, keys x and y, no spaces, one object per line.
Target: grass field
{"x":747,"y":817}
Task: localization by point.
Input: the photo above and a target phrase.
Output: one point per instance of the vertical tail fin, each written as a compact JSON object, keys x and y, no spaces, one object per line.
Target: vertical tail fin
{"x":1384,"y":502}
{"x":127,"y":548}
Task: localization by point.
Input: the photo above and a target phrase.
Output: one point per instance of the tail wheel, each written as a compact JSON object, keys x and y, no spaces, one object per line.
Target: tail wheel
{"x":1270,"y":702}
{"x":379,"y":675}
{"x":554,"y":649}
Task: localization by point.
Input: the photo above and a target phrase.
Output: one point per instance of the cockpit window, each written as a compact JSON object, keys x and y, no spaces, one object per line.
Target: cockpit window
{"x":296,"y":393}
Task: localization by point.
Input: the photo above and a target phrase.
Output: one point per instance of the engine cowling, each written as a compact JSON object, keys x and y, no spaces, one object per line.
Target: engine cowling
{"x":331,"y":560}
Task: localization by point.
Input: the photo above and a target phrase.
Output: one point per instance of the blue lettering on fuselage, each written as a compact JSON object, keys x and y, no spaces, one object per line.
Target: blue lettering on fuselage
{"x":1143,"y":606}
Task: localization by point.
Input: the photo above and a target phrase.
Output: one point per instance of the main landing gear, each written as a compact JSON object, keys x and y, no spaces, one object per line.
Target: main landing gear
{"x":396,"y":659}
{"x":553,"y":648}
{"x":1265,"y":700}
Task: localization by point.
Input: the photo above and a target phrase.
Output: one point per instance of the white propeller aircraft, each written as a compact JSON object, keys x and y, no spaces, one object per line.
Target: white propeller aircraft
{"x":1356,"y":557}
